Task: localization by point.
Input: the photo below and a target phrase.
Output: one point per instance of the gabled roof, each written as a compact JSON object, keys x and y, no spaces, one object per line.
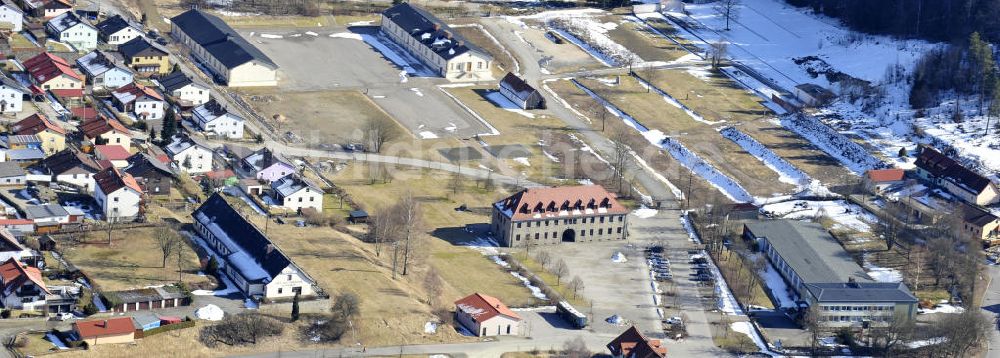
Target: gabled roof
{"x":177,"y":80}
{"x":10,"y":5}
{"x":940,"y":165}
{"x":66,"y":21}
{"x":8,"y":242}
{"x":633,"y":344}
{"x":48,"y":4}
{"x":814,"y":255}
{"x":111,"y":180}
{"x":140,"y":46}
{"x":45,"y":66}
{"x":15,"y":274}
{"x":517,"y":85}
{"x":12,"y":83}
{"x":861,"y":292}
{"x":112,"y":152}
{"x":181,"y":143}
{"x":218,"y":214}
{"x":113,"y":24}
{"x":482,"y":307}
{"x":85,"y":113}
{"x":94,"y":127}
{"x":140,"y":164}
{"x":430,"y":31}
{"x":67,"y":160}
{"x":10,"y":169}
{"x":224,"y":43}
{"x":975,"y":216}
{"x":44,"y":211}
{"x":34,"y":124}
{"x":104,"y":327}
{"x":292,"y":184}
{"x":98,"y":62}
{"x":541,"y":203}
{"x":885,"y":175}
{"x":212,"y":110}
{"x":134,"y":91}
{"x":264,"y":158}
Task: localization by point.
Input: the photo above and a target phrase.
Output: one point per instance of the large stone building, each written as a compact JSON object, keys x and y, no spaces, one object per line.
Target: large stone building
{"x":822,"y":274}
{"x":231,"y":58}
{"x":435,"y":44}
{"x":539,"y":216}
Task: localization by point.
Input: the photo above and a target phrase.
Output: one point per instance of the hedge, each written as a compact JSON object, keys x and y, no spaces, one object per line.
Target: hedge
{"x":168,"y":328}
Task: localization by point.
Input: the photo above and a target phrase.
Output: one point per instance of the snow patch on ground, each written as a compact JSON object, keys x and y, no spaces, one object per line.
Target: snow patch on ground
{"x":427,"y":135}
{"x":400,"y":58}
{"x":619,"y":257}
{"x":535,"y":291}
{"x":747,"y":329}
{"x":210,"y":313}
{"x":523,"y":161}
{"x":430,"y":327}
{"x":881,"y":274}
{"x":776,"y":284}
{"x":503,"y":102}
{"x":674,"y":102}
{"x":846,"y":215}
{"x":787,"y":172}
{"x":645,"y":213}
{"x":486,"y":246}
{"x":942,"y":307}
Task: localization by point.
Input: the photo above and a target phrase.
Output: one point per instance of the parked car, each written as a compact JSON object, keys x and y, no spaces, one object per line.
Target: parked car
{"x":64,"y":316}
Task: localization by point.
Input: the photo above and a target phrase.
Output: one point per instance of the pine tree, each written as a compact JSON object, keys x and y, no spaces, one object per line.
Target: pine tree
{"x":902,"y":152}
{"x":295,"y":308}
{"x":169,"y":127}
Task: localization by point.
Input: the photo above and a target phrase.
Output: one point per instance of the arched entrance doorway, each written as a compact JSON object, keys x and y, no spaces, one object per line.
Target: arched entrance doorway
{"x":569,"y":235}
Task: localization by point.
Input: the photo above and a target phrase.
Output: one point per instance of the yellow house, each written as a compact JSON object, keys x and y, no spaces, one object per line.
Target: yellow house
{"x":106,"y":331}
{"x":53,"y":137}
{"x":145,"y":57}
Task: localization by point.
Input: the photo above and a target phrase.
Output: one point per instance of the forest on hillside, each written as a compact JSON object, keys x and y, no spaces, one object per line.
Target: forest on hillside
{"x":936,"y":20}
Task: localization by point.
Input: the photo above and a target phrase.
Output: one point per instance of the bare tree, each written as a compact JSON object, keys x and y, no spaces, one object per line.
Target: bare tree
{"x":962,"y":333}
{"x":730,"y":9}
{"x":886,"y":339}
{"x":345,"y":306}
{"x":167,"y":241}
{"x":434,"y":286}
{"x":560,"y":270}
{"x":378,"y":131}
{"x":382,"y":227}
{"x":621,"y":158}
{"x":811,"y":321}
{"x":717,"y":53}
{"x":649,"y":75}
{"x":408,"y":213}
{"x":543,"y":258}
{"x":110,"y":227}
{"x":576,"y":284}
{"x":575,"y":348}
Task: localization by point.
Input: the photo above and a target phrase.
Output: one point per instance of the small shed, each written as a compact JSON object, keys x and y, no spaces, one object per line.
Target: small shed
{"x":813,"y":95}
{"x":46,"y":243}
{"x":145,"y":320}
{"x":357,"y":217}
{"x":521,"y":93}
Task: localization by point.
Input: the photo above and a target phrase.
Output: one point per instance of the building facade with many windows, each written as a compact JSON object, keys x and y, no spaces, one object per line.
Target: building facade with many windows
{"x":543,"y":216}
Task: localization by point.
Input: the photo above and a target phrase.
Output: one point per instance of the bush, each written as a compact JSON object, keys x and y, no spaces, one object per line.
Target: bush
{"x":239,"y":330}
{"x":327,"y":330}
{"x":21,"y":342}
{"x":212,"y":266}
{"x":5,"y":314}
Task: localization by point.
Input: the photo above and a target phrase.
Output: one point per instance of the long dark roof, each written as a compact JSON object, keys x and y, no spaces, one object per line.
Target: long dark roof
{"x":517,"y":85}
{"x":814,"y":255}
{"x":940,"y":165}
{"x":113,"y":24}
{"x":861,"y":292}
{"x":138,"y":45}
{"x":243,"y":233}
{"x":141,"y":163}
{"x":430,"y":31}
{"x":176,"y":80}
{"x":224,"y":43}
{"x":68,"y":159}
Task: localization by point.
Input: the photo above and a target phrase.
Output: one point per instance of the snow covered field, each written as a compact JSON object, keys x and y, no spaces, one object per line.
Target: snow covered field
{"x":779,"y":289}
{"x":846,"y":215}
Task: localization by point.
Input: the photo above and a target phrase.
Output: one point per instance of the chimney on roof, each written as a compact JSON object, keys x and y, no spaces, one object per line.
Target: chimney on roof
{"x":447,"y":34}
{"x":437,"y":26}
{"x":461,"y":43}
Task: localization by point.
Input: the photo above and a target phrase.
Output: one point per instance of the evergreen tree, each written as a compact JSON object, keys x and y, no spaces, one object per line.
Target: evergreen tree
{"x":295,"y":308}
{"x":902,"y":152}
{"x":169,"y":126}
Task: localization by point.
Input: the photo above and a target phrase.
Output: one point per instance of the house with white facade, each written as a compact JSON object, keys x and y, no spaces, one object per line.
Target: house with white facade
{"x":11,"y":95}
{"x":438,"y":46}
{"x":105,"y":70}
{"x":183,"y":90}
{"x":70,"y":167}
{"x":118,"y":194}
{"x":70,"y":29}
{"x":21,"y":286}
{"x":11,"y":16}
{"x":267,"y":165}
{"x":190,"y":155}
{"x":940,"y":169}
{"x":231,"y":58}
{"x":103,"y":130}
{"x":141,"y":101}
{"x":116,"y":30}
{"x":486,"y":316}
{"x":46,"y":9}
{"x":214,"y":119}
{"x":520,"y":92}
{"x":255,"y":264}
{"x":294,"y":192}
{"x":10,"y":248}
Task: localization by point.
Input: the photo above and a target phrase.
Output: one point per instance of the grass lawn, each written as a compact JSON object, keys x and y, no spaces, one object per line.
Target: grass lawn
{"x":643,"y":42}
{"x":650,"y":109}
{"x":731,"y":341}
{"x":504,"y":62}
{"x":271,"y":22}
{"x":733,"y":268}
{"x":562,"y":288}
{"x":184,"y":342}
{"x":464,"y":270}
{"x":35,"y":344}
{"x":17,"y":40}
{"x":132,"y":261}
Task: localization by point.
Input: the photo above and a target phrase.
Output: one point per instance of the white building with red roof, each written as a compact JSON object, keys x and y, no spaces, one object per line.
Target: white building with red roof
{"x":142,"y":102}
{"x":52,"y":73}
{"x":21,"y":286}
{"x":485,"y":315}
{"x":118,"y":194}
{"x":585,"y":213}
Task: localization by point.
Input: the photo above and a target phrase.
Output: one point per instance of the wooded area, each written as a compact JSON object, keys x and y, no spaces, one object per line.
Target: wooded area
{"x":928,"y":19}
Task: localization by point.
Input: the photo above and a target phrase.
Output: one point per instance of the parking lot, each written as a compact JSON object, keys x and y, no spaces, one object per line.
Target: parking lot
{"x":314,"y":61}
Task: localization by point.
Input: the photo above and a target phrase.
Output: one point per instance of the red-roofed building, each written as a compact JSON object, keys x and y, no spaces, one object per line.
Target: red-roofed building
{"x":84,"y":113}
{"x":50,"y":73}
{"x":106,"y":331}
{"x":26,"y":226}
{"x":584,"y":213}
{"x":106,"y":131}
{"x":115,"y":154}
{"x":877,"y":180}
{"x":53,"y":136}
{"x":21,"y":286}
{"x":142,"y":101}
{"x":118,"y":194}
{"x":486,"y":316}
{"x":632,"y":344}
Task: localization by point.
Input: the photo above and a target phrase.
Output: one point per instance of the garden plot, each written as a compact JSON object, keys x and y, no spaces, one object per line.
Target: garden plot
{"x":845,"y":216}
{"x":697,"y":148}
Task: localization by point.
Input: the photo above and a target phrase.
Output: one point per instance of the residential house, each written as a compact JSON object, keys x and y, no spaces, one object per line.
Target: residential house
{"x":153,"y":176}
{"x":46,"y":9}
{"x":190,"y":155}
{"x":822,"y":274}
{"x":83,"y":113}
{"x":23,"y":226}
{"x":103,"y":130}
{"x":70,"y":29}
{"x":231,"y":58}
{"x":112,"y":153}
{"x":105,"y":70}
{"x":142,"y":101}
{"x":486,"y":316}
{"x":537,"y":216}
{"x":11,"y":249}
{"x":11,"y":95}
{"x":25,"y":141}
{"x":105,"y":331}
{"x":296,"y":193}
{"x":215,"y":119}
{"x":254,"y":264}
{"x":520,"y":92}
{"x":12,"y":174}
{"x":145,"y":57}
{"x":52,"y":73}
{"x":53,"y":136}
{"x":22,"y":286}
{"x":267,"y":165}
{"x":877,"y":181}
{"x":71,"y":167}
{"x":958,"y":180}
{"x":436,"y":45}
{"x":147,"y":298}
{"x":116,"y":30}
{"x":47,"y":214}
{"x":118,"y":194}
{"x":633,"y":344}
{"x":185,"y":91}
{"x":977,"y":224}
{"x":25,"y":157}
{"x":11,"y":16}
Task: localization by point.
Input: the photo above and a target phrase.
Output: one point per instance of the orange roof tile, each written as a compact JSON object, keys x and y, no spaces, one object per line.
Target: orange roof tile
{"x":483,"y":307}
{"x":567,"y":201}
{"x":14,"y":273}
{"x":104,"y":327}
{"x":884,"y":175}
